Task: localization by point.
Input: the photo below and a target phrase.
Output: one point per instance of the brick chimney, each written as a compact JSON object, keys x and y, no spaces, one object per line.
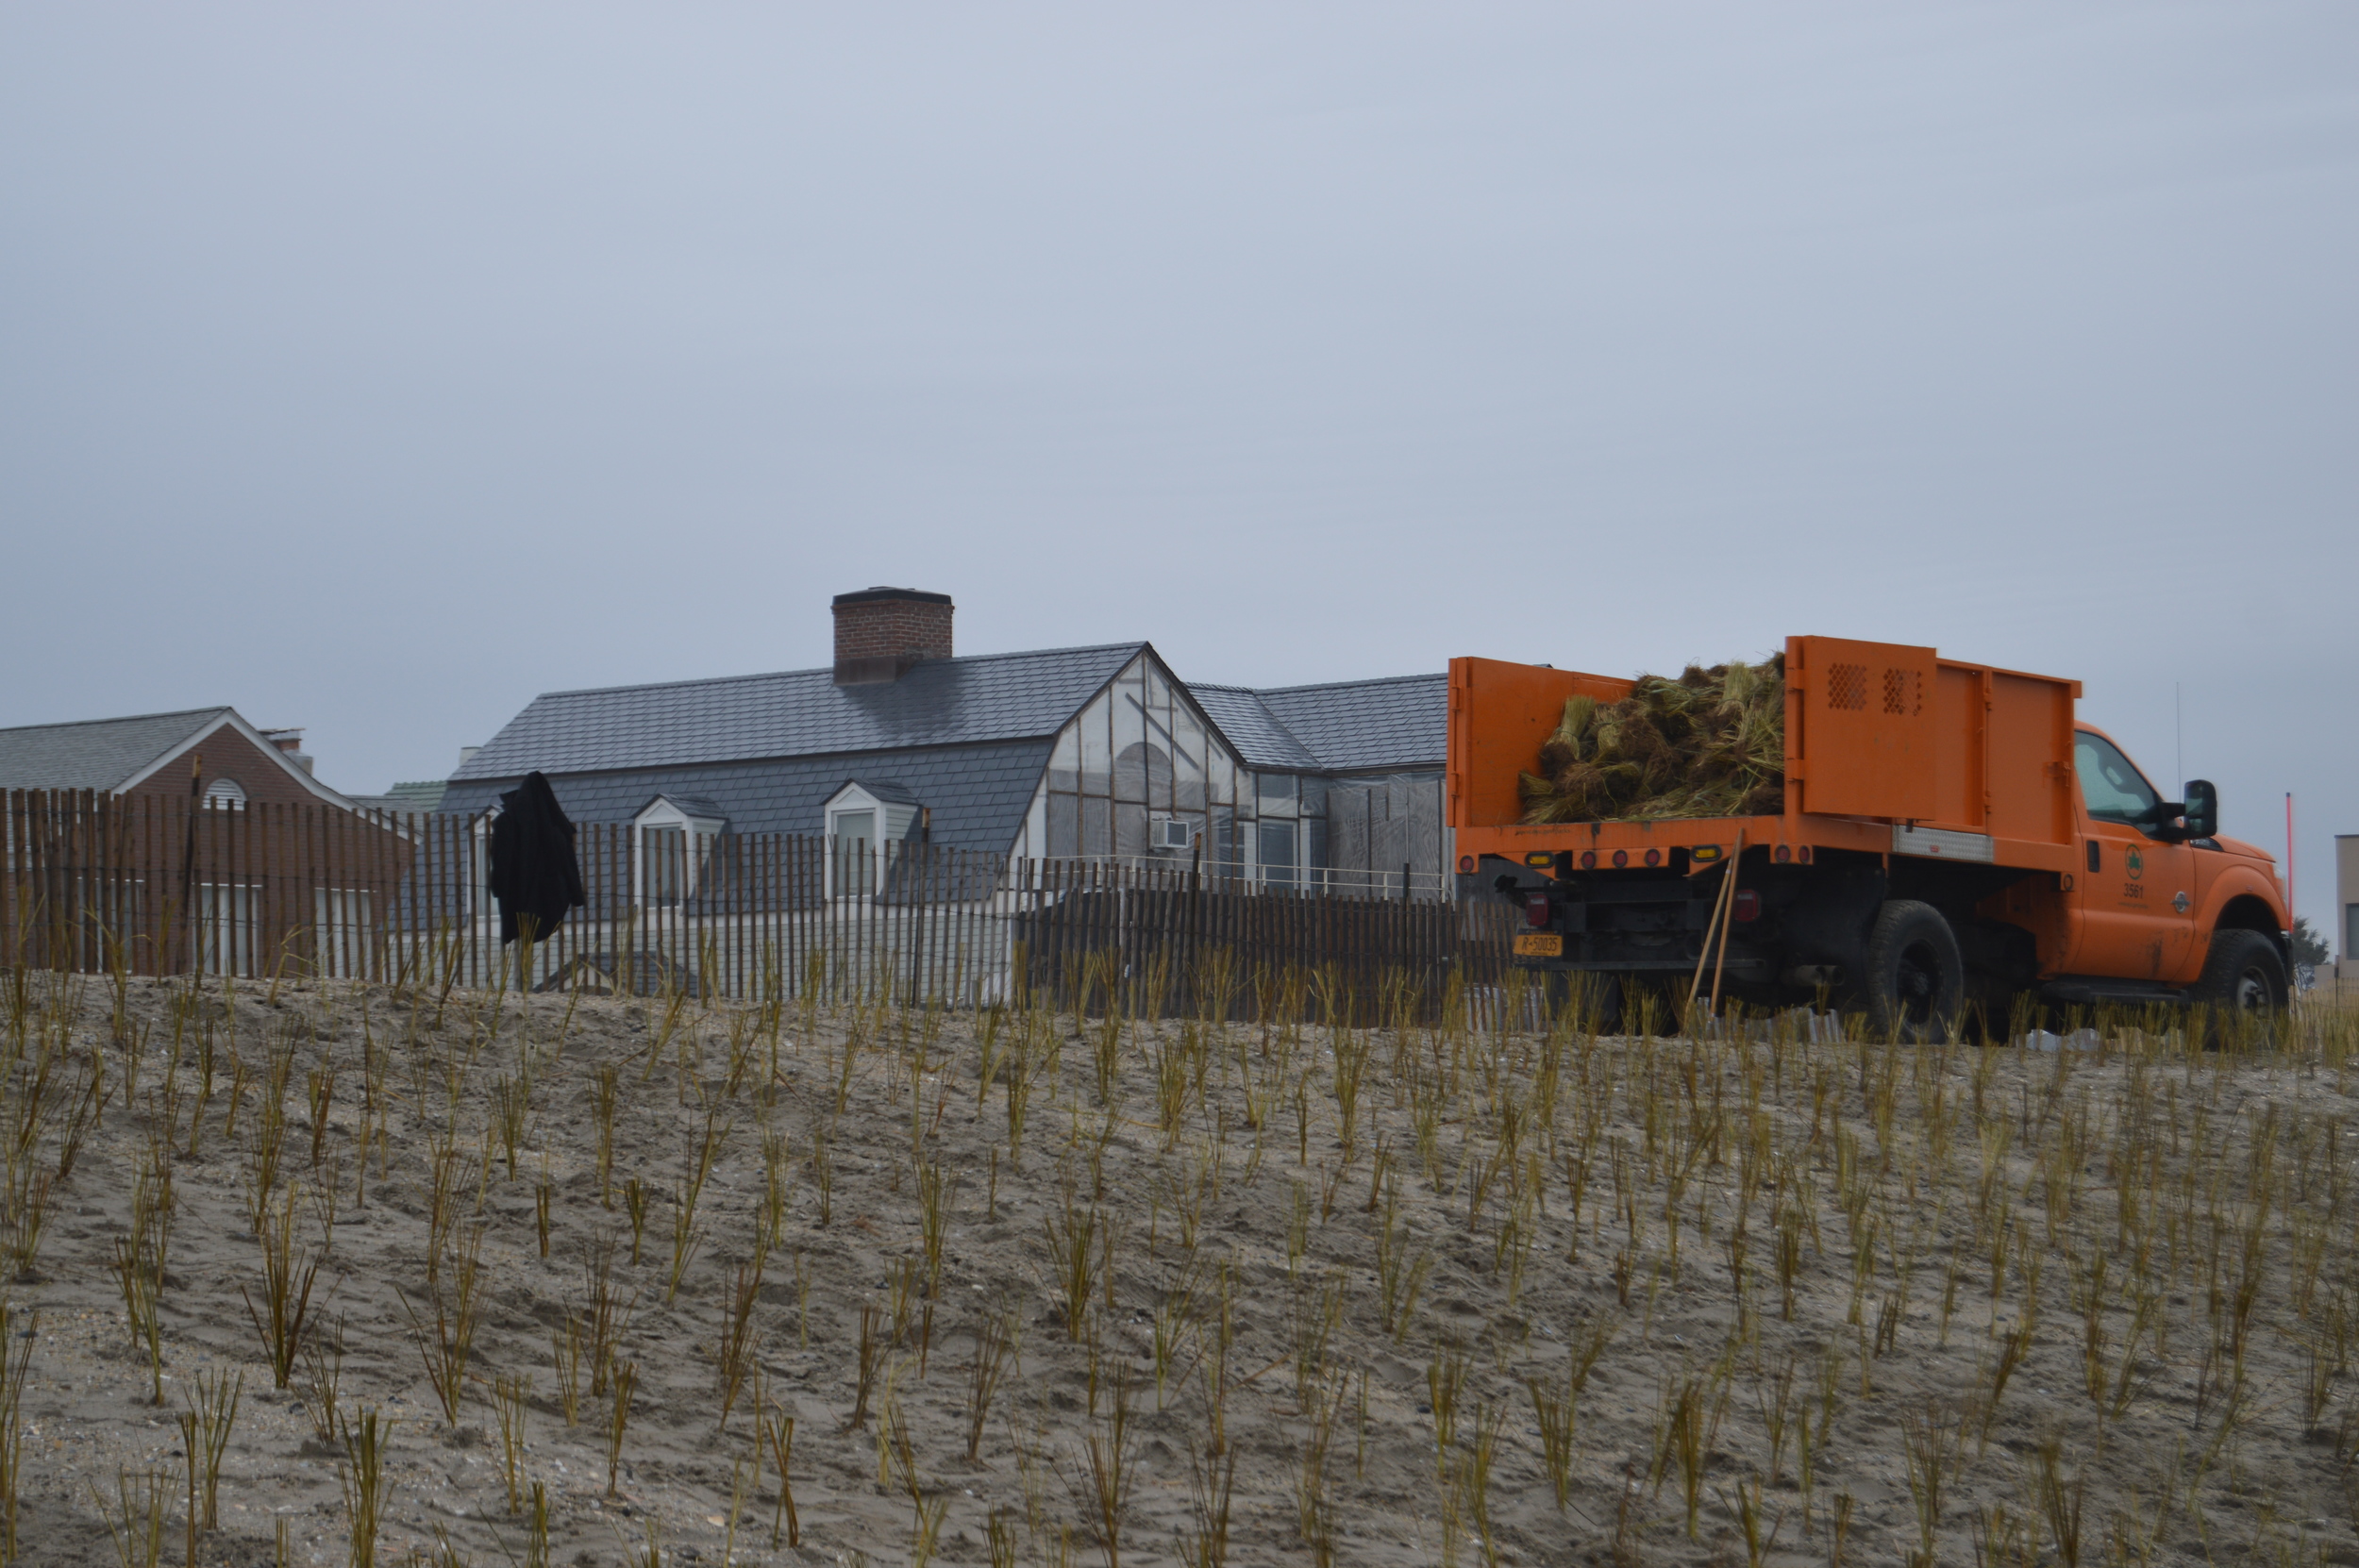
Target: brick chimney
{"x":880,"y":632}
{"x":291,"y":742}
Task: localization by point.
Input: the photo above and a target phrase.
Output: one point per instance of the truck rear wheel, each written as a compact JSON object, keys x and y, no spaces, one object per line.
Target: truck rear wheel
{"x":2242,"y":990}
{"x":1915,"y":986}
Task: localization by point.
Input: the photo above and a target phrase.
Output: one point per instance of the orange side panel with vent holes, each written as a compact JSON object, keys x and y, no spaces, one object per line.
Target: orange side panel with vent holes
{"x":1867,"y":743}
{"x":1882,"y":731}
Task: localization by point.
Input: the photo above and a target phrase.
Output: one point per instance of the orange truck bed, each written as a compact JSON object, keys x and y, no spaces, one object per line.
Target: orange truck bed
{"x":1888,"y":748}
{"x":1953,"y":838}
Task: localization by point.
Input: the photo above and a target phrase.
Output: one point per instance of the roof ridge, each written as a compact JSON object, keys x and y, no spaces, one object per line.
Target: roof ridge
{"x":1335,"y":685}
{"x":122,"y":719}
{"x":826,"y":669}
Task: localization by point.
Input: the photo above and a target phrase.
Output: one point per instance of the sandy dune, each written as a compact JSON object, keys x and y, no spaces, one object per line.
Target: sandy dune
{"x":1380,"y":1291}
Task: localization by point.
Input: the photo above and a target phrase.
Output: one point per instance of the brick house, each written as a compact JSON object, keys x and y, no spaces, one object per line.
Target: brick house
{"x":1096,"y":753}
{"x":190,"y":834}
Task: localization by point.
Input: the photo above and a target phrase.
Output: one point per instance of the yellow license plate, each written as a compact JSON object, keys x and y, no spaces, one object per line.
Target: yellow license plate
{"x":1541,"y":945}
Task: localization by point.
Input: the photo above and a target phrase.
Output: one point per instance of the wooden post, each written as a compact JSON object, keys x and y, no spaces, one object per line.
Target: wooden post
{"x":188,"y":857}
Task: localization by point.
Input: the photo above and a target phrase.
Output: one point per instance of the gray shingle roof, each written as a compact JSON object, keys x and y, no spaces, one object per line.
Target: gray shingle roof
{"x":1253,"y":729}
{"x":1342,"y":726}
{"x":979,"y":793}
{"x":1359,"y":724}
{"x":417,"y":794}
{"x":894,"y":793}
{"x":95,"y":754}
{"x":798,"y":713}
{"x":704,"y":806}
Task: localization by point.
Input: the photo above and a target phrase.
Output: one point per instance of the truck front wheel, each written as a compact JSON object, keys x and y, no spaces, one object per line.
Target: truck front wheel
{"x":1915,"y":983}
{"x":2243,"y":987}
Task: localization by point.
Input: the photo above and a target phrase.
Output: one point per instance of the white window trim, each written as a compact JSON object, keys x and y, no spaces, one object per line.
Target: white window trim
{"x":482,"y":906}
{"x":701,"y":833}
{"x":1155,"y":821}
{"x":894,"y":819}
{"x":1295,"y":871}
{"x":227,"y":927}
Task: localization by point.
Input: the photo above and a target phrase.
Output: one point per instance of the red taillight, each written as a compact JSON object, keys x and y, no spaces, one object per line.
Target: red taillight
{"x":1745,"y":905}
{"x":1654,"y":857}
{"x":1588,"y":859}
{"x":1621,"y":857}
{"x":1535,"y":909}
{"x":1783,"y":854}
{"x":1465,"y":864}
{"x":1805,"y":854}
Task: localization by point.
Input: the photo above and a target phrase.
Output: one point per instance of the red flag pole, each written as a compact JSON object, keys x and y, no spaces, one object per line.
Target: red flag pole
{"x":2290,"y":915}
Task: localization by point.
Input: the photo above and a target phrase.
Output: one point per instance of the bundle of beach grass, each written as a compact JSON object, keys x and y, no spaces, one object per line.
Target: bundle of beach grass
{"x":1711,"y":744}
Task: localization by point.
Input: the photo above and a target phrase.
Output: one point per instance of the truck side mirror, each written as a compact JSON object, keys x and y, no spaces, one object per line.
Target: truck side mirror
{"x":2202,"y":811}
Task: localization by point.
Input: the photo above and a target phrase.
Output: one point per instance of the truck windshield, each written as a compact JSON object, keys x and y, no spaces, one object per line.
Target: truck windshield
{"x":2111,"y":785}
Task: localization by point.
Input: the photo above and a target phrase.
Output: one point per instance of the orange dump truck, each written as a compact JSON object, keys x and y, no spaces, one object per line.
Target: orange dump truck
{"x":1953,"y":840}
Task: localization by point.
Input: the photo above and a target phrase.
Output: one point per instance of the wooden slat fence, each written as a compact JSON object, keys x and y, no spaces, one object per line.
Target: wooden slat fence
{"x":154,"y":885}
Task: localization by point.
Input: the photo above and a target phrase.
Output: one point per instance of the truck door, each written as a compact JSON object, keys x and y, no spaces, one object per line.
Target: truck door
{"x":2132,"y":898}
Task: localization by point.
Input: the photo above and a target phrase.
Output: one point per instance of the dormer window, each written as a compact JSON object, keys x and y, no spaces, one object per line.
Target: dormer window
{"x":861,"y":819}
{"x":224,"y":794}
{"x":672,"y":846}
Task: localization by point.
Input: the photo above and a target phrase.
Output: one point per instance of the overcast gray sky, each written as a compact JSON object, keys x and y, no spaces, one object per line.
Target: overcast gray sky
{"x":376,"y":368}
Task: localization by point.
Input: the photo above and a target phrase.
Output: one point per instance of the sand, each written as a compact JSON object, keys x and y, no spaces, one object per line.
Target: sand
{"x":1600,"y":1220}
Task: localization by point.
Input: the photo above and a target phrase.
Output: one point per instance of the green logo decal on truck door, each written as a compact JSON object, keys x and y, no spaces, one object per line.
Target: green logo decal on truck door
{"x":2134,"y":863}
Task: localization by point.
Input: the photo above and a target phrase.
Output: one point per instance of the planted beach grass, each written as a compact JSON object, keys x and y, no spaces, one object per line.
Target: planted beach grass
{"x":1319,"y":1277}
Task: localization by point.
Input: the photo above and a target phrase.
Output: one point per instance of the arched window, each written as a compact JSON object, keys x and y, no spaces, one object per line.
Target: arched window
{"x":224,"y":794}
{"x":1142,"y":771}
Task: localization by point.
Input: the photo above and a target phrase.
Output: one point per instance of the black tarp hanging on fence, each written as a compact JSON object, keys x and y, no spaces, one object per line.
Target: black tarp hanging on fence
{"x":533,"y":871}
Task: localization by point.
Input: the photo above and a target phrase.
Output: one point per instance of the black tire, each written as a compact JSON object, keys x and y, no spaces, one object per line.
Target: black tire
{"x":1914,"y":984}
{"x":2242,"y":990}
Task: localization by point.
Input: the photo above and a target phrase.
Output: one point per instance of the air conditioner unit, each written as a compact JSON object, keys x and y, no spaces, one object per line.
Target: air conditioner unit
{"x":1173,"y":833}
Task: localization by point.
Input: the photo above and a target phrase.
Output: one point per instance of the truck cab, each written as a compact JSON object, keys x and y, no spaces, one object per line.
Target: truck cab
{"x":2155,"y":883}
